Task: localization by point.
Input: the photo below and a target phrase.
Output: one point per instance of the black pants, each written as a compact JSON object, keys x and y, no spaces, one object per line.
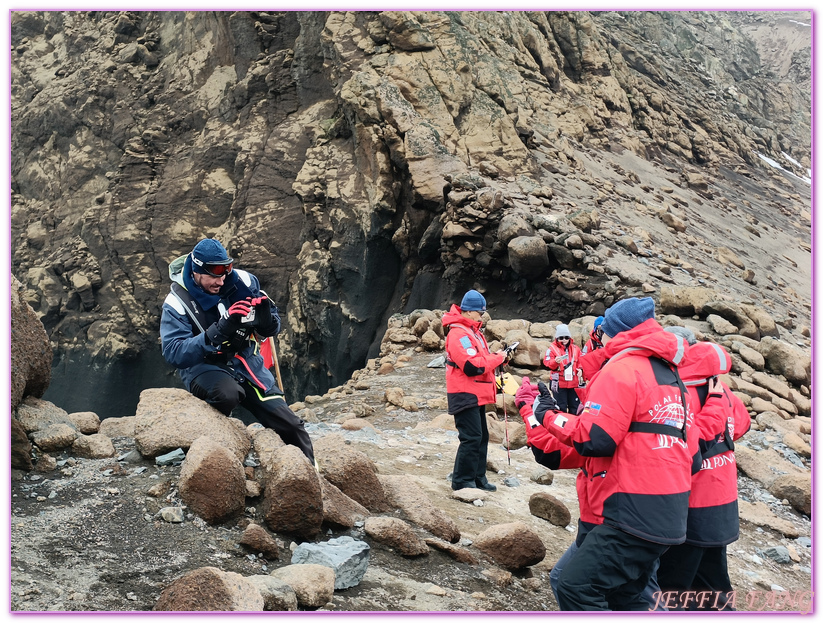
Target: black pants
{"x":470,"y":461}
{"x":224,"y":393}
{"x":700,"y":569}
{"x":609,"y":572}
{"x":567,"y":400}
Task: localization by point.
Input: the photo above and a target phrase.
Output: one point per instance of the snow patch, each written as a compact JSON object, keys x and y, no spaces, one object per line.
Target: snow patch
{"x":776,"y":165}
{"x":800,"y":23}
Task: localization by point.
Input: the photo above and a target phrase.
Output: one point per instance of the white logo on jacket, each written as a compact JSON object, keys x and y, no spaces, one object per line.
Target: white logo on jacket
{"x":671,"y":413}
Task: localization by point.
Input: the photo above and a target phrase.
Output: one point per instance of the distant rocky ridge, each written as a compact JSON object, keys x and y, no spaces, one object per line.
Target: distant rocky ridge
{"x":365,"y":163}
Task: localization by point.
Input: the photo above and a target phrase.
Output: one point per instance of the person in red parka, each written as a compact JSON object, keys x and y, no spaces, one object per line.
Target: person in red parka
{"x":595,"y":337}
{"x":634,"y":431}
{"x":551,"y":453}
{"x":563,"y":359}
{"x":699,"y":564}
{"x":470,"y":386}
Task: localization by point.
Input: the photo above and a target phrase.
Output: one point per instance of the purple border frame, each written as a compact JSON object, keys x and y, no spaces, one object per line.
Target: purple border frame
{"x":5,"y":285}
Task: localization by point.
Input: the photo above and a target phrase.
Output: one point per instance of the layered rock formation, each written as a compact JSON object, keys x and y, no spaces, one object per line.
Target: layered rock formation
{"x":364,"y":163}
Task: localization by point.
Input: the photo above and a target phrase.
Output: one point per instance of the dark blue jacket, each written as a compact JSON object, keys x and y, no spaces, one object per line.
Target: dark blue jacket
{"x":185,"y":345}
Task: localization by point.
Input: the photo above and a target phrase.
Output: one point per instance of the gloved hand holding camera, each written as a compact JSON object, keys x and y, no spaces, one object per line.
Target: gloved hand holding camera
{"x":509,"y":350}
{"x":267,"y":321}
{"x":227,"y":327}
{"x":544,"y":402}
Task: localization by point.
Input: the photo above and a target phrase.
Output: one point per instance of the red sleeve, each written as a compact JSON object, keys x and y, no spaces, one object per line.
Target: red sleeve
{"x":548,"y":359}
{"x":470,"y":359}
{"x":561,"y":455}
{"x":605,"y":419}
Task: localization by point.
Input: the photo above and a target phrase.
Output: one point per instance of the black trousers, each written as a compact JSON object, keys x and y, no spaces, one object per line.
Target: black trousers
{"x":470,"y":460}
{"x":609,"y":572}
{"x":701,"y":569}
{"x":224,"y":393}
{"x":567,"y":400}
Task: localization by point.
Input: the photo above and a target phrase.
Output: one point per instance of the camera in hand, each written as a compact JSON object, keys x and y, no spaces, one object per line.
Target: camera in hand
{"x":511,"y":347}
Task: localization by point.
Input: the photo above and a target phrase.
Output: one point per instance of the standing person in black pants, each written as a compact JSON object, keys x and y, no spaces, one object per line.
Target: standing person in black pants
{"x":470,"y":386}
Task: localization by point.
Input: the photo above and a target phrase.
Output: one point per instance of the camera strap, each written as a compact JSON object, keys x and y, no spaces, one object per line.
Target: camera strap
{"x":193,"y":310}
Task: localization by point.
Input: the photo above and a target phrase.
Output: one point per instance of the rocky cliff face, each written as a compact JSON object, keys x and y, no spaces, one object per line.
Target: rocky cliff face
{"x":365,"y":163}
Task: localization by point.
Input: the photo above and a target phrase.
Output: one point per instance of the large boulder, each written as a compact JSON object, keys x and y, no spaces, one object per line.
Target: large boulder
{"x":172,"y":418}
{"x":348,"y":557}
{"x":86,"y":422}
{"x":733,"y":313}
{"x":683,"y":300}
{"x":31,"y":354}
{"x":797,"y":489}
{"x":277,"y":595}
{"x":95,"y":446}
{"x":790,"y":361}
{"x":257,"y":540}
{"x":54,"y":437}
{"x":313,"y":584}
{"x":118,"y":426}
{"x":404,"y":493}
{"x":511,"y":545}
{"x":528,"y":256}
{"x":212,"y":481}
{"x":764,"y":466}
{"x":20,"y":447}
{"x":35,"y":414}
{"x":293,"y":502}
{"x":397,"y":534}
{"x":210,"y":589}
{"x":351,"y":471}
{"x":340,"y":510}
{"x":548,"y":507}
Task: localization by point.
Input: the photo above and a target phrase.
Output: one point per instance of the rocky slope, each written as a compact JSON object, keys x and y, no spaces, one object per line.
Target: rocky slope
{"x":367,"y":163}
{"x":140,"y":512}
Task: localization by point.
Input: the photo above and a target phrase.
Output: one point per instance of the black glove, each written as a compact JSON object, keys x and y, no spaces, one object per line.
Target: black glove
{"x":267,"y":322}
{"x":545,"y":402}
{"x":228,"y":326}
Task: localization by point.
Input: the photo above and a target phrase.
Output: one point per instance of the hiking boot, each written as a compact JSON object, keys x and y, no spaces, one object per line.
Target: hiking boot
{"x":486,"y":486}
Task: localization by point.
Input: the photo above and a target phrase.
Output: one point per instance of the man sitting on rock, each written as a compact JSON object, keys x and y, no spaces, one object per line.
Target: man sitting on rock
{"x":210,"y":328}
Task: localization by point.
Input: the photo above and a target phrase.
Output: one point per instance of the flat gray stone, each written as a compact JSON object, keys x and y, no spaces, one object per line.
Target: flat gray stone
{"x":348,"y":557}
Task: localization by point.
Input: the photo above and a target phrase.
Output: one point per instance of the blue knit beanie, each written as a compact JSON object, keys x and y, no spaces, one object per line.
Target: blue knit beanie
{"x":209,"y":251}
{"x":473,"y":301}
{"x":598,"y":321}
{"x":627,"y":314}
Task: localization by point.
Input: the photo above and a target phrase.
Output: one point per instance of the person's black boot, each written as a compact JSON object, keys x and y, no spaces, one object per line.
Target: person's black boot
{"x":485,"y":485}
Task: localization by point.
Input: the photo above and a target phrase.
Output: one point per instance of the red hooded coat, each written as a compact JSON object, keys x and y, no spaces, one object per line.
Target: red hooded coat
{"x":469,"y":364}
{"x":720,"y":419}
{"x":634,"y":427}
{"x":573,"y":363}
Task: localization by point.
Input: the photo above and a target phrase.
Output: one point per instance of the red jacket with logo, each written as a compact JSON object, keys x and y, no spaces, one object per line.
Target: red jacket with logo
{"x":634,"y":428}
{"x":720,"y":419}
{"x":573,"y":362}
{"x":469,"y":364}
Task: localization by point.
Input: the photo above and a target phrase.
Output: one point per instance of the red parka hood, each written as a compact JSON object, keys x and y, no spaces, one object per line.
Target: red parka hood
{"x":650,"y":337}
{"x":454,"y":316}
{"x":703,"y":360}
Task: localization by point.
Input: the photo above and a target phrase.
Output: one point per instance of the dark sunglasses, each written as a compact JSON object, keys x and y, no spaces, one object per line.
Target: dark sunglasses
{"x":215,"y":270}
{"x":564,"y":338}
